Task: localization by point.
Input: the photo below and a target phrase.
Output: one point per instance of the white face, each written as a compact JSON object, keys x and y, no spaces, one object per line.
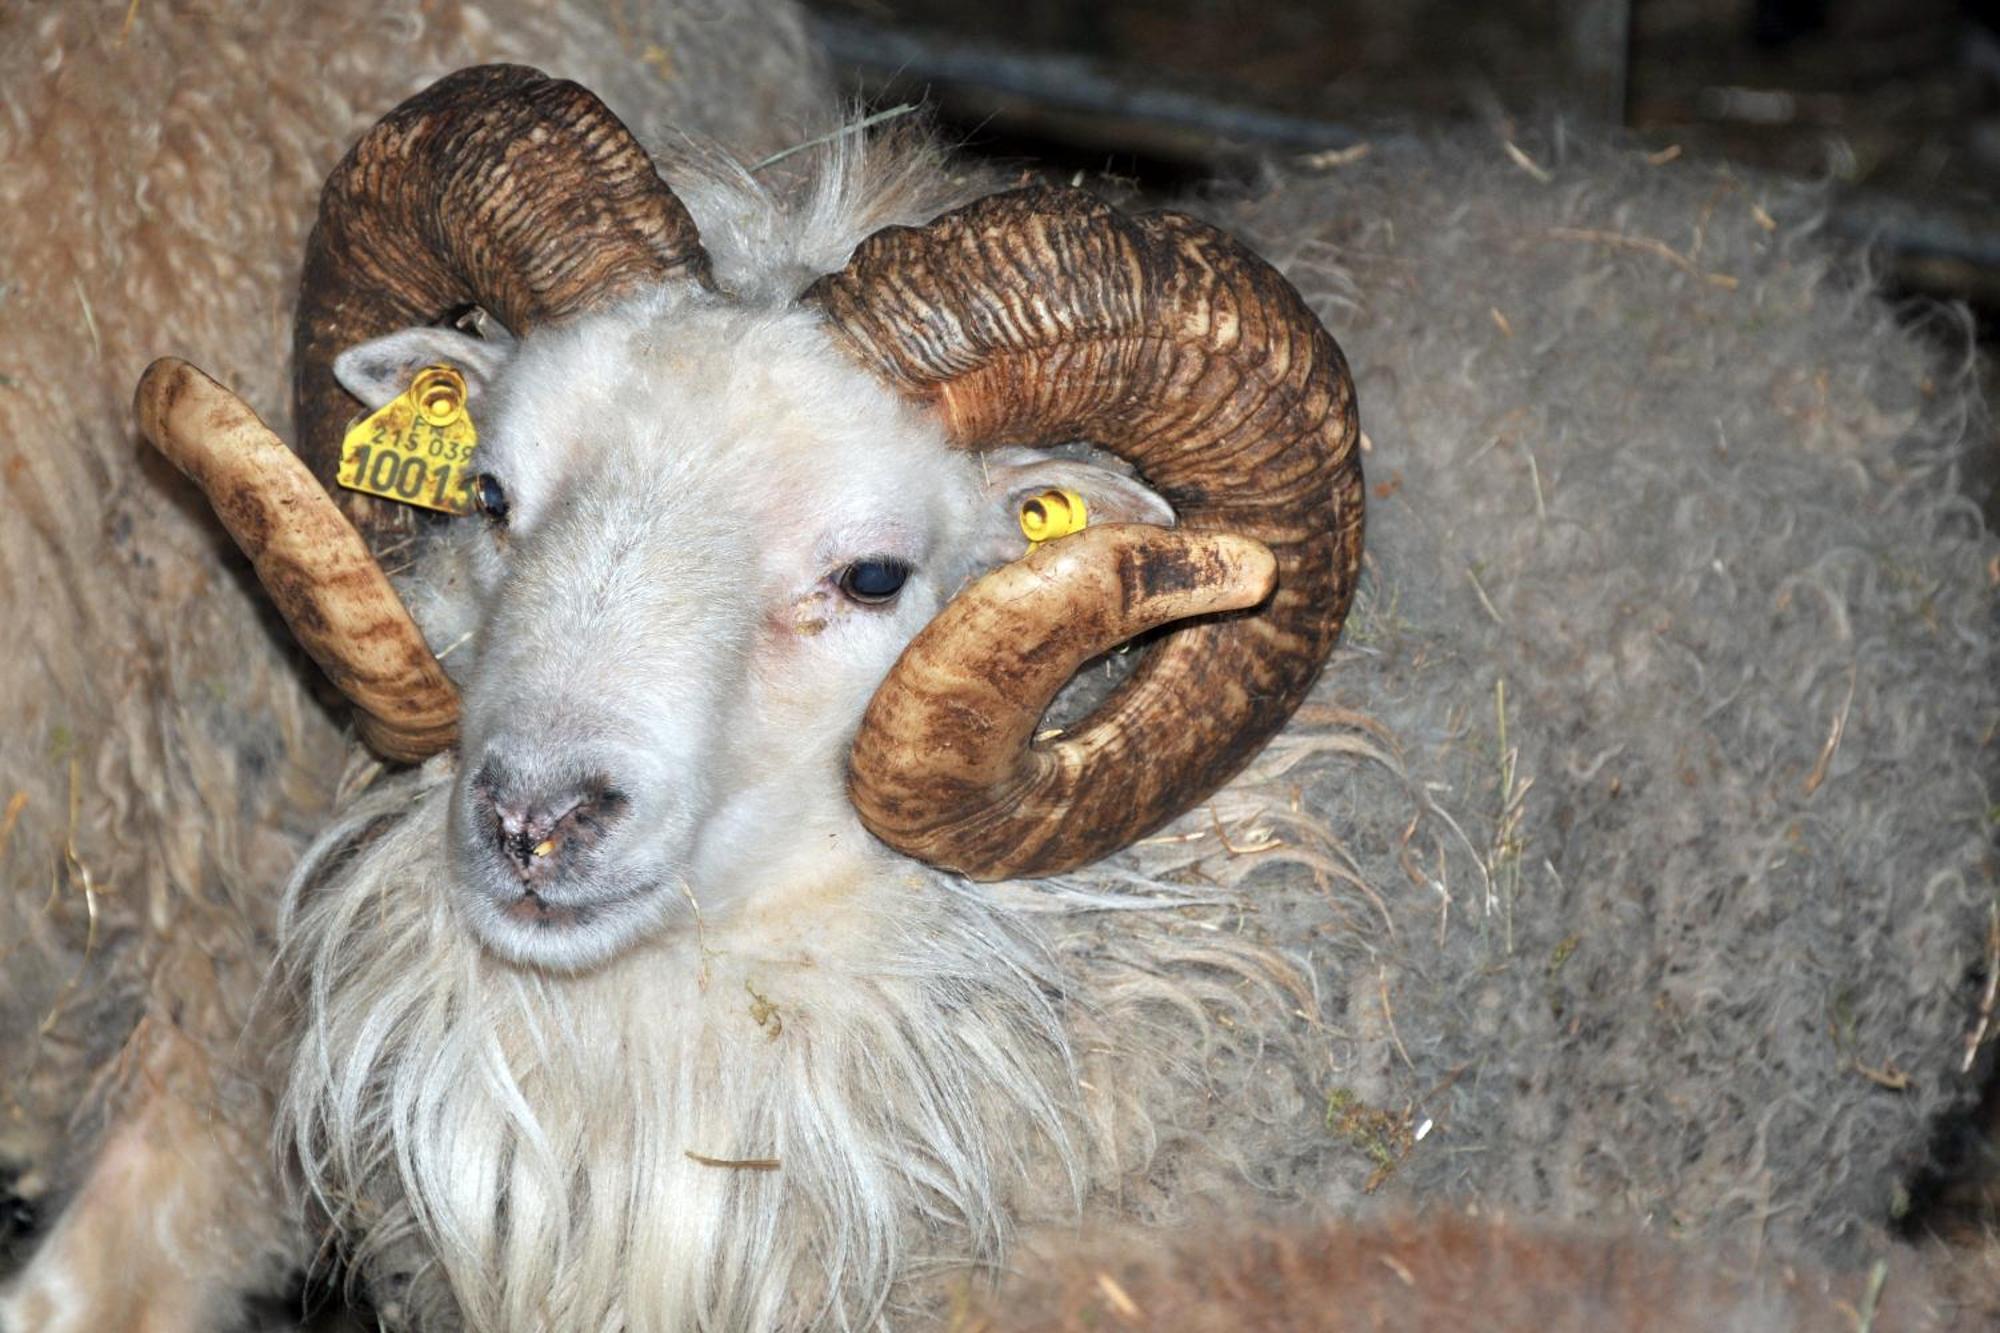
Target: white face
{"x":718,"y":535}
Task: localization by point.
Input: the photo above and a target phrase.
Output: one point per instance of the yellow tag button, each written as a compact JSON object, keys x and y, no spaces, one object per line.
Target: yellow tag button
{"x":440,"y":395}
{"x":1053,"y":514}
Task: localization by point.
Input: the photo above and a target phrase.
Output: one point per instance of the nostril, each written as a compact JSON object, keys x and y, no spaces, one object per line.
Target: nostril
{"x":539,"y":829}
{"x":521,"y":833}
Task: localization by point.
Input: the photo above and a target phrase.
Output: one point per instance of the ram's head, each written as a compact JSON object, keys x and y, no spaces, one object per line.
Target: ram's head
{"x":721,"y":602}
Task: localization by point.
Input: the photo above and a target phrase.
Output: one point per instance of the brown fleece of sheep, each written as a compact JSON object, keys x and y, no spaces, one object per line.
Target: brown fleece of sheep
{"x":1440,"y":1272}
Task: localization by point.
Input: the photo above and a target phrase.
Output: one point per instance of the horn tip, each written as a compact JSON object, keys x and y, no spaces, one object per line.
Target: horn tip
{"x":1211,"y":571}
{"x":160,"y":386}
{"x":1254,"y":565}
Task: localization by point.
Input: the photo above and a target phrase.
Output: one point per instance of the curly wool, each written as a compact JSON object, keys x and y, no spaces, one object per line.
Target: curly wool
{"x":1439,"y":1271}
{"x":722,"y":1129}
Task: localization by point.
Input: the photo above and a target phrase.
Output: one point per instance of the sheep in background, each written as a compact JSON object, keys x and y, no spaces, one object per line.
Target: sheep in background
{"x":1444,"y":1270}
{"x":162,"y":759}
{"x":1458,"y":992}
{"x":1684,"y":633}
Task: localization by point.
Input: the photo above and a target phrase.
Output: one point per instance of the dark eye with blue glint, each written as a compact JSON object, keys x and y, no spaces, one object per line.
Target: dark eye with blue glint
{"x":488,"y":497}
{"x":873,"y":582}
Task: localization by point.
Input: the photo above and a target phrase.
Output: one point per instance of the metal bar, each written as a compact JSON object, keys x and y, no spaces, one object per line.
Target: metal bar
{"x":1066,"y":83}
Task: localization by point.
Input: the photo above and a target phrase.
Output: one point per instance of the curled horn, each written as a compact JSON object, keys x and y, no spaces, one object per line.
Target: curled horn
{"x":497,"y":187}
{"x":1039,"y":316}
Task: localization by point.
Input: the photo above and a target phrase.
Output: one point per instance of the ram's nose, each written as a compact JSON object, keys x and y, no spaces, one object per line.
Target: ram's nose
{"x":542,"y":830}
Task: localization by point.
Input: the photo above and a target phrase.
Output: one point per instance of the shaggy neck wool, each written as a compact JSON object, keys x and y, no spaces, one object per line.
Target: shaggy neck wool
{"x":702,"y":1134}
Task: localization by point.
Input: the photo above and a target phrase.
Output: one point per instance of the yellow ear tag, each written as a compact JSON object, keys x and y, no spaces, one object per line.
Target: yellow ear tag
{"x":1052,"y":514}
{"x":416,"y":448}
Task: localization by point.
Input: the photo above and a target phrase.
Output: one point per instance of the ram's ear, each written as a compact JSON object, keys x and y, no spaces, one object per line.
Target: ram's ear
{"x":380,"y":369}
{"x":1111,"y":494}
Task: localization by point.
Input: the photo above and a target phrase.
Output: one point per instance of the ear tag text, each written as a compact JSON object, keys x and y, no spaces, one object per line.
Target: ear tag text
{"x":415,"y":449}
{"x":1052,"y":514}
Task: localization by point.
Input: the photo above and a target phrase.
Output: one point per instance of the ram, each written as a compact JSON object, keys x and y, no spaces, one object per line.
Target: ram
{"x":764,"y":948}
{"x":630,"y":976}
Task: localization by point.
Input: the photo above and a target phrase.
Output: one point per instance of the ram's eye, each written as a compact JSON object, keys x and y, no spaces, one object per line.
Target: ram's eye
{"x":489,"y":498}
{"x":873,"y":582}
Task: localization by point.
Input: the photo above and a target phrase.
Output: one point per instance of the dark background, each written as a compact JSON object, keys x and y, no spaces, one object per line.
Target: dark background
{"x":1896,"y":104}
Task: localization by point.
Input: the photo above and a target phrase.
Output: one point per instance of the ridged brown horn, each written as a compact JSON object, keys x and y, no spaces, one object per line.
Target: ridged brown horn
{"x":496,"y":186}
{"x":1040,"y":316}
{"x":307,"y":555}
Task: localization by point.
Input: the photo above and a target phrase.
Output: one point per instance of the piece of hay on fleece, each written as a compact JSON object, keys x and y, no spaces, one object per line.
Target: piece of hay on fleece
{"x":1664,"y":892}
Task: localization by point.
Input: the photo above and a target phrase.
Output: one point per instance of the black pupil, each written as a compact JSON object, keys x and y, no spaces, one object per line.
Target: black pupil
{"x":874,"y":580}
{"x":486,"y":493}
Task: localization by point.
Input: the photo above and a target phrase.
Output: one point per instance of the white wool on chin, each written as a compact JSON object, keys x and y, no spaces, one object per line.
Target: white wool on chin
{"x":885,"y":1093}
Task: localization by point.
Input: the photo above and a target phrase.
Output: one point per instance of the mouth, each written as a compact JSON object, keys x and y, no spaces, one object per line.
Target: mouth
{"x":533,"y":910}
{"x":531,"y":928}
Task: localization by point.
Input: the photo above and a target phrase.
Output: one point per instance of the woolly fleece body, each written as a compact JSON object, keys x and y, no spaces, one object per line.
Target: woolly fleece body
{"x":1663,"y":890}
